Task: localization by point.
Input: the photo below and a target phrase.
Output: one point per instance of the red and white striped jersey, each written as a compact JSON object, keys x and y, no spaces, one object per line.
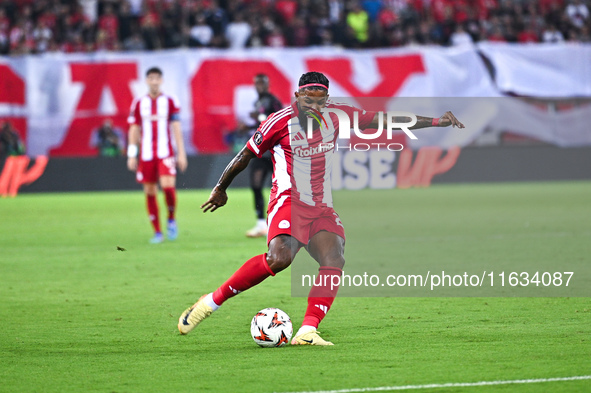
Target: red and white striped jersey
{"x":302,"y":166}
{"x":154,"y":115}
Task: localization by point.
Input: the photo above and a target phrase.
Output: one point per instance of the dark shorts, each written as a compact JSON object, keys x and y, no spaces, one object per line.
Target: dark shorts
{"x":264,"y":163}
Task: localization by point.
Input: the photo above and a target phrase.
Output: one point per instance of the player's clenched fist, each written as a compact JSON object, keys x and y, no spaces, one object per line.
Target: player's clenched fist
{"x":217,"y":198}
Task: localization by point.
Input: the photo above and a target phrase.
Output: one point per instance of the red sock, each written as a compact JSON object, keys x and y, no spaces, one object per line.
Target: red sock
{"x":170,"y":195}
{"x":321,"y":297}
{"x":254,"y":271}
{"x":153,"y":212}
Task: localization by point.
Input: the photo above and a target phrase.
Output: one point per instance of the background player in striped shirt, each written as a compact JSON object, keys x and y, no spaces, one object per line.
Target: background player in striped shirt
{"x":300,"y":212}
{"x":152,"y":118}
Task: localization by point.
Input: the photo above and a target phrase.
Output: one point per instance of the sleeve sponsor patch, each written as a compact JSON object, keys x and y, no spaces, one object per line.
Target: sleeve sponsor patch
{"x":257,"y":138}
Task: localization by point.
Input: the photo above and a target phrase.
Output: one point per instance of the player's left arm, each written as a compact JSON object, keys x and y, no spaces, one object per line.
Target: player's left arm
{"x":446,"y":120}
{"x":218,"y":196}
{"x":181,"y":154}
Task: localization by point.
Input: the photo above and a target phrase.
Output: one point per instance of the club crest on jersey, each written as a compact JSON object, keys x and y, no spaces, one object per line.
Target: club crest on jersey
{"x":257,"y":138}
{"x":313,"y":150}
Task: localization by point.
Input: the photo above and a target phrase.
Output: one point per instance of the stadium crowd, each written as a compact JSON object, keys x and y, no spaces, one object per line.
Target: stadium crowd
{"x":37,"y":26}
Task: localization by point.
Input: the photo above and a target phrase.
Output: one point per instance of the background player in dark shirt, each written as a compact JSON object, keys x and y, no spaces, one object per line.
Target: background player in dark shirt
{"x":266,"y":104}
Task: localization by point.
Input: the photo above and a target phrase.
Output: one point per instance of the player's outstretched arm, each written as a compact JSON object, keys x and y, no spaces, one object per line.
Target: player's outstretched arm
{"x":218,"y":196}
{"x":446,"y":120}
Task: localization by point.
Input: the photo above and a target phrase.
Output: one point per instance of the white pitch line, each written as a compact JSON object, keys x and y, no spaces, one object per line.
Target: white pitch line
{"x":451,"y":385}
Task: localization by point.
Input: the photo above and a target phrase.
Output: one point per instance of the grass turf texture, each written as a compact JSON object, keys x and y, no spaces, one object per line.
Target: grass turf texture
{"x":78,"y":315}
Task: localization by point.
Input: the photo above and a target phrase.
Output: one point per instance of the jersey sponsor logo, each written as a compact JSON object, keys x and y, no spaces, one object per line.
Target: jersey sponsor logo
{"x":157,"y":117}
{"x":284,"y":224}
{"x":312,"y":151}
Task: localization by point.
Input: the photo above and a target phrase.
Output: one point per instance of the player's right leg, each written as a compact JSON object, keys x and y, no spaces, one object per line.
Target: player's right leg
{"x":151,"y":191}
{"x":167,"y":183}
{"x":282,"y":250}
{"x":147,"y":174}
{"x":327,"y":248}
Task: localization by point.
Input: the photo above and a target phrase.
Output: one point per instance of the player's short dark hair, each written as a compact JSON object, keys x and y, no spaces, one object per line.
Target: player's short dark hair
{"x":313,"y":77}
{"x":154,"y":70}
{"x":262,"y":76}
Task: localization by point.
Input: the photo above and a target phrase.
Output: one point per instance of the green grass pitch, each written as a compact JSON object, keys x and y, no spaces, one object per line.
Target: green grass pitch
{"x":78,"y":315}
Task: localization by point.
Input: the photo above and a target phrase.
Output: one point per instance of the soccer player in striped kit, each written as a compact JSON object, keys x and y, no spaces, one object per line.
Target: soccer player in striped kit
{"x":152,"y":118}
{"x":300,"y":212}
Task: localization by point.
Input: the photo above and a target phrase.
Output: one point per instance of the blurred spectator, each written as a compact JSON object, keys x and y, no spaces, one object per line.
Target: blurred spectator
{"x":387,"y":18}
{"x":460,"y":36}
{"x":578,"y":13}
{"x":109,"y":140}
{"x":286,"y":9}
{"x":201,"y":33}
{"x":585,"y":36}
{"x":149,"y":27}
{"x":90,"y":9}
{"x":10,"y":142}
{"x":496,"y":35}
{"x":528,"y":35}
{"x":358,"y":23}
{"x":4,"y":21}
{"x":134,"y":42}
{"x":4,"y":32}
{"x":238,"y":32}
{"x":74,"y":44}
{"x":299,"y":33}
{"x":336,"y":10}
{"x":89,"y":25}
{"x":552,"y":35}
{"x":275,"y":39}
{"x":372,"y":7}
{"x":126,"y":21}
{"x":136,"y":6}
{"x":257,"y":38}
{"x":217,"y":19}
{"x":42,"y":36}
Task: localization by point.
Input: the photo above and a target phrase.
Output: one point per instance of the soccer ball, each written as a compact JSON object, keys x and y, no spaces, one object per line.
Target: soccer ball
{"x":271,"y":327}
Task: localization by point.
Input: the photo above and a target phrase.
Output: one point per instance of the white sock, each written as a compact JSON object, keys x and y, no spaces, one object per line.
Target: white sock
{"x":209,"y":301}
{"x":305,"y":329}
{"x":262,"y":223}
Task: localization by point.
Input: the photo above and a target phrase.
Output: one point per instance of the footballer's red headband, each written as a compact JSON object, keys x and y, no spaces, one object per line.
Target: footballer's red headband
{"x":313,"y":85}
